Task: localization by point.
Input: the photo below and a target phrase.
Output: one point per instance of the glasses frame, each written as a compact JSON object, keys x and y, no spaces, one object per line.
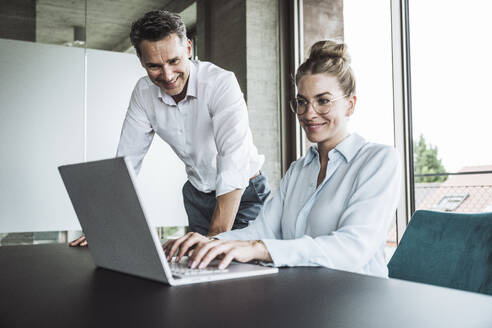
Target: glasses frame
{"x":314,"y":105}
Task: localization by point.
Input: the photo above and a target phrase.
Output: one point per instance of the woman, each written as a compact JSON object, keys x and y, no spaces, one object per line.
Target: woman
{"x":335,"y":205}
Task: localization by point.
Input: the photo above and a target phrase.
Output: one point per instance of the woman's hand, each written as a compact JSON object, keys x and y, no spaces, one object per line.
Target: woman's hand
{"x":184,"y":244}
{"x":241,"y":251}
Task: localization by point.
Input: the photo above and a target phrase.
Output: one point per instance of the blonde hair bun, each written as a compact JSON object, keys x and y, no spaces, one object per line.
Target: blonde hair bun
{"x":330,"y":57}
{"x":326,"y":49}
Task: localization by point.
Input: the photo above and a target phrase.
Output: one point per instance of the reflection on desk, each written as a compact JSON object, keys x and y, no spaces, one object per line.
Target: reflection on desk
{"x":58,"y":286}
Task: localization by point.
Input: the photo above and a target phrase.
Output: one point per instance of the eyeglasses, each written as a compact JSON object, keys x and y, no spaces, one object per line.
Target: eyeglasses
{"x":321,"y":105}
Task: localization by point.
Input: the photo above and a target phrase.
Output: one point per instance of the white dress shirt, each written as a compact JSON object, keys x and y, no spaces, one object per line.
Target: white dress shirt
{"x":343,"y":223}
{"x":208,"y":129}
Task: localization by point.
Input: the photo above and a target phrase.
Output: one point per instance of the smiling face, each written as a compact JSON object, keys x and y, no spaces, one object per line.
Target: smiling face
{"x":327,"y":130}
{"x":166,"y":62}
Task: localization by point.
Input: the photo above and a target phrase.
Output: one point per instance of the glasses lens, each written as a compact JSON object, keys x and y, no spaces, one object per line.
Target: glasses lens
{"x":323,"y":106}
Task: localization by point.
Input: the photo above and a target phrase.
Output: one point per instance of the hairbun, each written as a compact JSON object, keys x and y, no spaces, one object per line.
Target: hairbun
{"x":329,"y":49}
{"x":329,"y":57}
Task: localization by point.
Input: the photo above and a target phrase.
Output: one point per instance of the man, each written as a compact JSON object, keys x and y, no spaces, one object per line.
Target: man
{"x":199,"y":110}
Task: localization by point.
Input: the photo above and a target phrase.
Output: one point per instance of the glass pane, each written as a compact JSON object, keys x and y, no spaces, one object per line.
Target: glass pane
{"x":450,"y":71}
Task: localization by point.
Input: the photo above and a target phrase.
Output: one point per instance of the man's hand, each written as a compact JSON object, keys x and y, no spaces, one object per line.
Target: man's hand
{"x":225,"y":212}
{"x":241,"y":251}
{"x":184,"y":245}
{"x":80,"y":242}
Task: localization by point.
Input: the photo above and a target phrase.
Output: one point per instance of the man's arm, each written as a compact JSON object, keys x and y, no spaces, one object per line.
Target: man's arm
{"x":225,"y":212}
{"x":237,"y":157}
{"x":137,"y":132}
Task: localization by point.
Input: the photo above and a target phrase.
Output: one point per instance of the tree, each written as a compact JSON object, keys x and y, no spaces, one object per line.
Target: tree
{"x":426,"y":162}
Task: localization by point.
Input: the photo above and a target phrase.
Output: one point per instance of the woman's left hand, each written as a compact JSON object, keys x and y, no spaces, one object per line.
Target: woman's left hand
{"x":241,"y":251}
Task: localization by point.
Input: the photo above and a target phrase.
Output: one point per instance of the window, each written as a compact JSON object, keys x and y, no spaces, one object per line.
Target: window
{"x":450,"y":202}
{"x":450,"y":70}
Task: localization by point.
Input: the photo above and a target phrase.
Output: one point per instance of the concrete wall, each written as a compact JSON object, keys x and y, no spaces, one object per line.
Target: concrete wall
{"x":18,"y":20}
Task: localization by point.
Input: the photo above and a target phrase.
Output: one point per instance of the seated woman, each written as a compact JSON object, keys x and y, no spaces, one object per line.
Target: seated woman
{"x":335,"y":205}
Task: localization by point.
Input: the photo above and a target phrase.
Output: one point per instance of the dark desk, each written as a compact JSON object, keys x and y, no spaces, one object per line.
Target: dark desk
{"x":58,"y":286}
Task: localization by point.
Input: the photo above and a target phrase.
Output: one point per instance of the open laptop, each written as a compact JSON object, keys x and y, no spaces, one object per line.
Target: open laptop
{"x":111,"y":212}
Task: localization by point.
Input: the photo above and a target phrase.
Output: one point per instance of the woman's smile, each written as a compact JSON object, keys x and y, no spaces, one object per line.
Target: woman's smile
{"x":313,"y":126}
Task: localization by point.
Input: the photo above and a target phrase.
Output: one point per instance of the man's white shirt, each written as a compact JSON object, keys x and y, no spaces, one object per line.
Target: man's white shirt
{"x":208,"y":129}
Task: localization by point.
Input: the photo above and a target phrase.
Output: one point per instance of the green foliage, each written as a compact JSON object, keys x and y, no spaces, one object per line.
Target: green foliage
{"x":173,"y":232}
{"x":169,"y":231}
{"x":426,"y":162}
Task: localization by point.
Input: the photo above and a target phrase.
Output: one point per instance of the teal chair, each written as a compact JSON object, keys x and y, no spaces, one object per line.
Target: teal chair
{"x":446,"y":249}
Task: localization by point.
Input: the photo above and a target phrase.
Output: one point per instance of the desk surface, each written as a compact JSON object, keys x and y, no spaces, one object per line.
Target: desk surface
{"x":58,"y":286}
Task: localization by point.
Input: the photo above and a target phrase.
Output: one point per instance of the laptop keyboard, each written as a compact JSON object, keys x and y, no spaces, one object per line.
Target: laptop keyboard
{"x":181,"y":269}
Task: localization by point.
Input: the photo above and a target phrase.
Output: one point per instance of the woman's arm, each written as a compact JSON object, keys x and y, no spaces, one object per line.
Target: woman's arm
{"x":362,"y":227}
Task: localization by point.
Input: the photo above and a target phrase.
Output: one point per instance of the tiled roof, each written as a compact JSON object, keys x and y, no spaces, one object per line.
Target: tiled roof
{"x":476,"y":189}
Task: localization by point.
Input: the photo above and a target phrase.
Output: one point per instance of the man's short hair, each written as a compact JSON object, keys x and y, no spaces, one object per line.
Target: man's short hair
{"x":156,"y":25}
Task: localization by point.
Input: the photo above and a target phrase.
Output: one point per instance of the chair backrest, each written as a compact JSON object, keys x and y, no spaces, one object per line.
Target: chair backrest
{"x":446,"y":249}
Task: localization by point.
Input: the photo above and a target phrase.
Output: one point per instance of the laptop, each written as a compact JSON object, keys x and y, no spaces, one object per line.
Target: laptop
{"x":105,"y":197}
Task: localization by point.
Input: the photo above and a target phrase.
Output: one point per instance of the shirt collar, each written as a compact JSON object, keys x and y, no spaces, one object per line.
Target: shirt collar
{"x":192,"y":79}
{"x":190,"y":91}
{"x":348,"y":148}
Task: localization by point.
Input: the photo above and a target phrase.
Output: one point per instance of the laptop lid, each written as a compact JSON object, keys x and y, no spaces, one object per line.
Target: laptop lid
{"x":110,"y":212}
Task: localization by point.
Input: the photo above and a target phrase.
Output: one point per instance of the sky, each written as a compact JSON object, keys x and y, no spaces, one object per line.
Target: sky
{"x":451,"y":60}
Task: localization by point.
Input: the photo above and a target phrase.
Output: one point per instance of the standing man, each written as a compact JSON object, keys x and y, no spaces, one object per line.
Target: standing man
{"x":199,"y":110}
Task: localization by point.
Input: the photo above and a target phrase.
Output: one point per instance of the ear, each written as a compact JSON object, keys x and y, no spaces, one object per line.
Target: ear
{"x":350,"y":110}
{"x":188,"y":48}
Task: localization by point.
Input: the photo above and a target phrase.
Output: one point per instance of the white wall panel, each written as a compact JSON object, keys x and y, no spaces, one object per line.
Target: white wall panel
{"x":41,"y":127}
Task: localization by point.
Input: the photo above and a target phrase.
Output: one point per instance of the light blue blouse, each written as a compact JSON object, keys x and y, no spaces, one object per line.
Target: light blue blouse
{"x":344,"y":222}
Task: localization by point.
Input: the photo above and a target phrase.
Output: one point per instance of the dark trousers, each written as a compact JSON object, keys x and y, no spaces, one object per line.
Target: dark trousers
{"x":200,"y":205}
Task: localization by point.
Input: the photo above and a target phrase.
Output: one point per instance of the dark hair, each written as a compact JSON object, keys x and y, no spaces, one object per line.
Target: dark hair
{"x":332,"y":57}
{"x":156,"y":25}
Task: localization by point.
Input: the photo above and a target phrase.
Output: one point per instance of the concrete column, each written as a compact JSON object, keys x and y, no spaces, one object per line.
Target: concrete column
{"x":202,"y":30}
{"x":226,"y":39}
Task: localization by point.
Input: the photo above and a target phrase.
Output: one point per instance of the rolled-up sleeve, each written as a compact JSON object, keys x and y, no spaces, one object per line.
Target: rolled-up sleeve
{"x":362,"y":228}
{"x":268,"y":224}
{"x":237,"y":157}
{"x":136,"y":133}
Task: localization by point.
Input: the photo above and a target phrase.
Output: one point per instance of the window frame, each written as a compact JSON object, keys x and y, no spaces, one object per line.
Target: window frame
{"x":402,"y":110}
